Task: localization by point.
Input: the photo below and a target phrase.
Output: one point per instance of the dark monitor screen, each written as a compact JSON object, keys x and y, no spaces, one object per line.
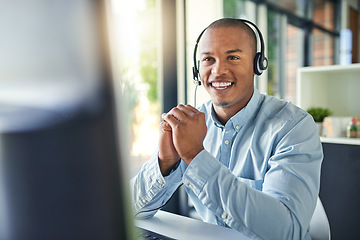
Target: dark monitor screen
{"x":61,"y":153}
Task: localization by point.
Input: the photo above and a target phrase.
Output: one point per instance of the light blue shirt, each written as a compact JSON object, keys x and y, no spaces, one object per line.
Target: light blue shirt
{"x":259,"y":173}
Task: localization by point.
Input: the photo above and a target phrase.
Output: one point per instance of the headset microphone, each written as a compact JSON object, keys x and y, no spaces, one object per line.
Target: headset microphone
{"x":260,"y":61}
{"x":196,"y":75}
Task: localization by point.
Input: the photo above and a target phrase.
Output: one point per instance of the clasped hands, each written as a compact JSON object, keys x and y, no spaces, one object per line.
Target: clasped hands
{"x":183,"y":130}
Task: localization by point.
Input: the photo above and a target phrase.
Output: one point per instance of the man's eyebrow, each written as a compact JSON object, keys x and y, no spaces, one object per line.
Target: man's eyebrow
{"x":234,"y":51}
{"x":206,"y":53}
{"x":227,"y":52}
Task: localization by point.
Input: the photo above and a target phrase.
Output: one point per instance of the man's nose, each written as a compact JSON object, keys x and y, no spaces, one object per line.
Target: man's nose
{"x":219,"y":68}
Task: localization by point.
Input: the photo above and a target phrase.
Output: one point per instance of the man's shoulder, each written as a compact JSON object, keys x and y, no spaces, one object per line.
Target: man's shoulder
{"x":276,"y":108}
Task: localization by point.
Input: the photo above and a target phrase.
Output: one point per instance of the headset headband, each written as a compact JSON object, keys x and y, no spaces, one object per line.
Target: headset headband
{"x":260,"y":61}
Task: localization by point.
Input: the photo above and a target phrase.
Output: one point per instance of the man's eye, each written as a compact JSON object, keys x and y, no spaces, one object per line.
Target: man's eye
{"x":233,"y":57}
{"x":208,"y":59}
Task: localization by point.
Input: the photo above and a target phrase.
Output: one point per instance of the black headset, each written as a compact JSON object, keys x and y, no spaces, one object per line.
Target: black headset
{"x":260,"y":61}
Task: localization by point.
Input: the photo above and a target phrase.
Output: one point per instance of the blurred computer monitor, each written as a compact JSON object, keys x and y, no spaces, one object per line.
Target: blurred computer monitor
{"x":61,"y":151}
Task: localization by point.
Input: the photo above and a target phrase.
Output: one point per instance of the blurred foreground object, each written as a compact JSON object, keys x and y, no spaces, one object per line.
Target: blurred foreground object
{"x":60,"y":168}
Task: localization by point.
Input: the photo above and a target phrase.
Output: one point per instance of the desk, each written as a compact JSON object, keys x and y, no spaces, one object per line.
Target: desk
{"x":180,"y":227}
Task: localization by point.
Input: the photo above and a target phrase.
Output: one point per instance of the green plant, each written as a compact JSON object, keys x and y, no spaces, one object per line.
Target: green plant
{"x":319,"y":113}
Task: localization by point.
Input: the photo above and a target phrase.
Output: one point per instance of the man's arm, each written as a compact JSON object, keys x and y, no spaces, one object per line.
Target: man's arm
{"x":153,"y":186}
{"x":283,"y":209}
{"x":150,"y":189}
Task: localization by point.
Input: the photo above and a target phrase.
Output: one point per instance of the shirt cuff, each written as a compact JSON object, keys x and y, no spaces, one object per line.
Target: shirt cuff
{"x":149,"y":186}
{"x":203,"y":167}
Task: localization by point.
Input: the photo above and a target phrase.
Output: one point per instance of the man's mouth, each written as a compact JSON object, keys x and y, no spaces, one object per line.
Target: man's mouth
{"x":221,"y":85}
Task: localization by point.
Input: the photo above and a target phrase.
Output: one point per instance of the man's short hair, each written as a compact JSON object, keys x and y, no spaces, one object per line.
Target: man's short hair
{"x":233,"y":22}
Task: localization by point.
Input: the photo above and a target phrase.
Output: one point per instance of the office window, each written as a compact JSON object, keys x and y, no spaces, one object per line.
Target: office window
{"x":295,"y":7}
{"x":324,"y":14}
{"x":237,"y":9}
{"x":136,"y":40}
{"x":323,"y":42}
{"x":294,"y":48}
{"x":323,"y":45}
{"x":275,"y":54}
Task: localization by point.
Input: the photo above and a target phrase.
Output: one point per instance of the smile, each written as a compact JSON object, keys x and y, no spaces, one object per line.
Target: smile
{"x":221,"y":85}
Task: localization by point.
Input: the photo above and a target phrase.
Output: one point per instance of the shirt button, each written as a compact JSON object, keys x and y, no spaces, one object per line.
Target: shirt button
{"x":226,"y":142}
{"x":224,"y":216}
{"x":160,"y":181}
{"x":191,"y":186}
{"x":237,"y":127}
{"x":144,"y":201}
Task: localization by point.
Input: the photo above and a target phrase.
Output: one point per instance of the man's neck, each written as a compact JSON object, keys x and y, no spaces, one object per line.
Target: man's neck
{"x":224,"y":114}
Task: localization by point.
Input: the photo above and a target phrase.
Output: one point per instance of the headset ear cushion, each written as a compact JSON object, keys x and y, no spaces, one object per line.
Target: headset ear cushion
{"x":257,"y":64}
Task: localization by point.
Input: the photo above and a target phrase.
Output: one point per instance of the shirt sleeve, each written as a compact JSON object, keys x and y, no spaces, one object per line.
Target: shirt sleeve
{"x":284,"y":207}
{"x":150,"y":190}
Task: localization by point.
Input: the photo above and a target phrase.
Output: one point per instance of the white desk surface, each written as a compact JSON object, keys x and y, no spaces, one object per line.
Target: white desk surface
{"x":180,"y":227}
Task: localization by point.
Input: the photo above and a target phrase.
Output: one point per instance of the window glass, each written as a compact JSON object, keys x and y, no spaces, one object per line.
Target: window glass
{"x":235,"y":8}
{"x":294,"y":52}
{"x":324,"y":14}
{"x":136,"y":41}
{"x":323,"y":48}
{"x":295,"y":7}
{"x":321,"y":12}
{"x":274,"y":54}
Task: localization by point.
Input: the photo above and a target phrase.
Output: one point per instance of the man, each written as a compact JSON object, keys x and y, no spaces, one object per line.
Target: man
{"x":249,"y":161}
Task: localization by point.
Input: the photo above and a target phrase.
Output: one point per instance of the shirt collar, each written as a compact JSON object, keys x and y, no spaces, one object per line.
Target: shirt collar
{"x":241,"y":117}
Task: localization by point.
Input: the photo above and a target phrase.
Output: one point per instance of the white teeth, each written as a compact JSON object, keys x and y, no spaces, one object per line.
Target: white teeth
{"x":220,"y":84}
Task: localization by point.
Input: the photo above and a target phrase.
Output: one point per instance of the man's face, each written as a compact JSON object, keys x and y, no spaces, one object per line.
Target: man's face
{"x":226,"y":66}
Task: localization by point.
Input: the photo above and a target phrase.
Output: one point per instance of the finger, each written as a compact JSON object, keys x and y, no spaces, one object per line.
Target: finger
{"x":171,"y":119}
{"x":188,"y":106}
{"x":163,"y":116}
{"x":188,"y":111}
{"x":177,"y":114}
{"x":165,"y":126}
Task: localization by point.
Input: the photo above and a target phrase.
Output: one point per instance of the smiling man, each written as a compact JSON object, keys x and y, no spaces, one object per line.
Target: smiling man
{"x":226,"y":67}
{"x":248,"y":161}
